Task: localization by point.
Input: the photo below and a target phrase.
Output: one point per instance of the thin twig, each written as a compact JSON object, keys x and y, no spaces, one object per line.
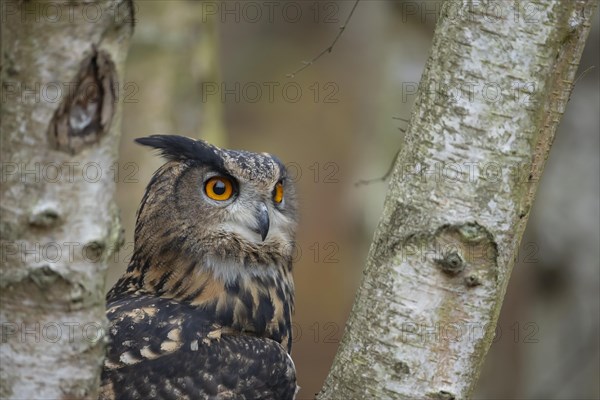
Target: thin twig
{"x":382,"y":178}
{"x":583,"y":73}
{"x":306,"y":64}
{"x":391,"y":167}
{"x":588,"y":69}
{"x":407,"y":121}
{"x":402,"y":119}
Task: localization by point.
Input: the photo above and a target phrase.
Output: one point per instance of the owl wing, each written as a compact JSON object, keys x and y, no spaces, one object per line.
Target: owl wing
{"x":162,"y":349}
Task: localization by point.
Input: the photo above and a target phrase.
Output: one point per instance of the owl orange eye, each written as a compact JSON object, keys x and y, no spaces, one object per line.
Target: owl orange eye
{"x":278,"y":193}
{"x":219,"y":188}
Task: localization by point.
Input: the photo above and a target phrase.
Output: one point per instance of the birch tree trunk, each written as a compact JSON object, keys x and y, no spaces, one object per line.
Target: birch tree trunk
{"x":497,"y":81}
{"x":62,"y":89}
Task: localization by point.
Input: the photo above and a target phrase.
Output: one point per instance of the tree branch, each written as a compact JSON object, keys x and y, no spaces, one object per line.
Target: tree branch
{"x":494,"y":88}
{"x":329,"y":49}
{"x":62,"y":69}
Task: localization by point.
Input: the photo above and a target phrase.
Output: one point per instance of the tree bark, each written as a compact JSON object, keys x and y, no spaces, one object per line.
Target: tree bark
{"x":62,"y":89}
{"x":497,"y":81}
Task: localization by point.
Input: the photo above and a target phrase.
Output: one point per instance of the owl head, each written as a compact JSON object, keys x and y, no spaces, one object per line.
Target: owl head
{"x":231,"y":211}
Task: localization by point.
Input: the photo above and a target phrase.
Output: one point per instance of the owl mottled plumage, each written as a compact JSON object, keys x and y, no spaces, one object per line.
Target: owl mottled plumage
{"x":204,"y":309}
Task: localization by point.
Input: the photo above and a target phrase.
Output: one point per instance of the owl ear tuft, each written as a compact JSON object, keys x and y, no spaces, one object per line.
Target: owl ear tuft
{"x":181,"y":148}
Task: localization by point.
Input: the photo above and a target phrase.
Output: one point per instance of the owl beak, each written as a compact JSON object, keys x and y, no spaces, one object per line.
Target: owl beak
{"x":263,"y":221}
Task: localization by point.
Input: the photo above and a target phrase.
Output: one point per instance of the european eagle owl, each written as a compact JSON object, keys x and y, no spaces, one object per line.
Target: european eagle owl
{"x":204,"y":308}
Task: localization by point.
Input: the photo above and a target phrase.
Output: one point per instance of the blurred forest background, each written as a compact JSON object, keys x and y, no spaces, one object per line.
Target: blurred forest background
{"x":217,"y":70}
